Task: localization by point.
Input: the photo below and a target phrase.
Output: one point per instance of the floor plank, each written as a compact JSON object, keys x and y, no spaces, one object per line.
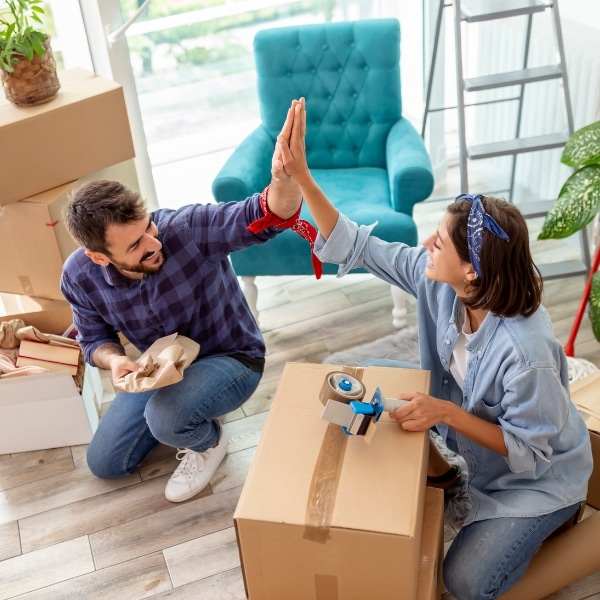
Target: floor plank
{"x":45,"y":567}
{"x":177,"y":524}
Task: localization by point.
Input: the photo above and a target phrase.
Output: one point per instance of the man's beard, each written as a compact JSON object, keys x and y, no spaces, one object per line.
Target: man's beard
{"x":140,"y":267}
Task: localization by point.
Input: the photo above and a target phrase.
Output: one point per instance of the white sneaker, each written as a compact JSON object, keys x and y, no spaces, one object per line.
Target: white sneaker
{"x":195,"y":470}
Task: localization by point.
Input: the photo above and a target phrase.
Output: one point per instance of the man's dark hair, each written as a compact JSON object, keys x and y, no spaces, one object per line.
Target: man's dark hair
{"x":96,"y":205}
{"x":510,"y":282}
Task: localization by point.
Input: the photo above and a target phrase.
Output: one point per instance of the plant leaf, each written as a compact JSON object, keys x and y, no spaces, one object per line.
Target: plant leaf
{"x":577,"y":204}
{"x":594,"y":305}
{"x":583,"y":147}
{"x":38,"y":47}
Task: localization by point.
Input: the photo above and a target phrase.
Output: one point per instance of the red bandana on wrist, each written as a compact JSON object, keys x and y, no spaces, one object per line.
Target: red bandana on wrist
{"x":300,"y":226}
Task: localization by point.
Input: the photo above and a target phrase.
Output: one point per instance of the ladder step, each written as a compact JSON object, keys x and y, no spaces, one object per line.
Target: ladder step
{"x":473,"y":11}
{"x":568,"y":268}
{"x":518,"y":146}
{"x":487,"y":82}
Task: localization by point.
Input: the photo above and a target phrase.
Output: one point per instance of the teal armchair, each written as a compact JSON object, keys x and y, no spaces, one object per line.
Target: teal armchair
{"x":368,"y":159}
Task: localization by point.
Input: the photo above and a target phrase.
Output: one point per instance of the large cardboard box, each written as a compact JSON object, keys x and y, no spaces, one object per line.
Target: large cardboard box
{"x":34,"y":241}
{"x":84,"y":129}
{"x":49,"y":316}
{"x":586,"y":396}
{"x":365,"y":541}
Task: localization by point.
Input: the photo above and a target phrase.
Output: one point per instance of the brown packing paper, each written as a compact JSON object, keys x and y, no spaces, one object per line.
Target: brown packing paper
{"x":35,"y":335}
{"x":560,"y":561}
{"x":162,"y":364}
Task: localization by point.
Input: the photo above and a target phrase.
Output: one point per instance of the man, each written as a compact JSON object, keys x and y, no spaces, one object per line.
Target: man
{"x":150,"y":275}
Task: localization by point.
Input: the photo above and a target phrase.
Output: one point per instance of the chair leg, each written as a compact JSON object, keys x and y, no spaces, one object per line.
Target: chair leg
{"x":251,"y":293}
{"x":399,"y":310}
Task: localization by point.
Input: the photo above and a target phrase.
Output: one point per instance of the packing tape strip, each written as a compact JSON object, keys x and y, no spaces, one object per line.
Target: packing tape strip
{"x":326,"y":474}
{"x":343,"y":386}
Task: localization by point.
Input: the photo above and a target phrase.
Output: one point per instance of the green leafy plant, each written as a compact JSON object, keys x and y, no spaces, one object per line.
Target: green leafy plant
{"x":20,"y":31}
{"x":578,"y":204}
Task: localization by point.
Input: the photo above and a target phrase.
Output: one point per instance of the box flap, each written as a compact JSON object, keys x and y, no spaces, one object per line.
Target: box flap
{"x":279,"y":482}
{"x":585,"y":393}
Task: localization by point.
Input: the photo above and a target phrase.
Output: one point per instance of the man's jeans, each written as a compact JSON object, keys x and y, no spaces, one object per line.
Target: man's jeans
{"x":182,"y":415}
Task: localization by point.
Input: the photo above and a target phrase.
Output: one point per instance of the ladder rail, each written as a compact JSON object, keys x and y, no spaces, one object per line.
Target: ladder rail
{"x":465,"y":13}
{"x":460,"y":99}
{"x":513,"y":168}
{"x":436,"y":40}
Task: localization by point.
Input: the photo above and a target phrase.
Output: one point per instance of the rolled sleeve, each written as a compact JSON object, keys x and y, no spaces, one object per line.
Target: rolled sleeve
{"x":345,"y":246}
{"x":536,"y":409}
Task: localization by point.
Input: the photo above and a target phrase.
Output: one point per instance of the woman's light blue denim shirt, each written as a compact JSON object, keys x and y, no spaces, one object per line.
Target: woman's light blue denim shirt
{"x":517,"y":378}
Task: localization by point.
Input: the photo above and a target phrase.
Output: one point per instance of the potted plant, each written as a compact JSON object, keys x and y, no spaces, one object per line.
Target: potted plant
{"x":27,"y":66}
{"x":577,"y":205}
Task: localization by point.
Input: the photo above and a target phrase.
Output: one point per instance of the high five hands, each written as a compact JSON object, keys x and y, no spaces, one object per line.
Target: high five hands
{"x":290,"y":146}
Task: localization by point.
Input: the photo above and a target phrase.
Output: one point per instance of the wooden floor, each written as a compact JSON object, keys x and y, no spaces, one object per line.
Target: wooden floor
{"x":66,"y":535}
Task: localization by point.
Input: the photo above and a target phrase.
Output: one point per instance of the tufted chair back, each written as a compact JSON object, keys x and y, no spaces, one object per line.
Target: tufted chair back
{"x":349,"y":74}
{"x":366,"y":157}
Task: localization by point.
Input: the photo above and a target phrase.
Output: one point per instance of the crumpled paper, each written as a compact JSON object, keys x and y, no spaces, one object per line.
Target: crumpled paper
{"x":162,"y":364}
{"x":29,"y":332}
{"x":8,"y":331}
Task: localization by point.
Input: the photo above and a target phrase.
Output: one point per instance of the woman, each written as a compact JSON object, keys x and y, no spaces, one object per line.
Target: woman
{"x":499,"y":392}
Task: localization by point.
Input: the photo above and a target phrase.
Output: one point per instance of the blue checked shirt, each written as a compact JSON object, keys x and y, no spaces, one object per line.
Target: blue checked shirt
{"x":196,"y":293}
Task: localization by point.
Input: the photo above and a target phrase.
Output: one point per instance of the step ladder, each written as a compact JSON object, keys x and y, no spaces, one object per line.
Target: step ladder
{"x":466,"y":12}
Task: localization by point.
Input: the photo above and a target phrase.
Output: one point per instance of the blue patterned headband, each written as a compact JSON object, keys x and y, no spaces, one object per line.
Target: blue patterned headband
{"x":478,"y":220}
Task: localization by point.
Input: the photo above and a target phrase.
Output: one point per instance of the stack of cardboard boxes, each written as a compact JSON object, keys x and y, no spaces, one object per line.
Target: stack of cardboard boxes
{"x":46,"y":152}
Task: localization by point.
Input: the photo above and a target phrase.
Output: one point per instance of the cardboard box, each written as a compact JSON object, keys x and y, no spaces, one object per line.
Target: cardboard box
{"x":430,"y":584}
{"x":49,"y":316}
{"x":34,"y":241}
{"x":45,"y":411}
{"x":585,"y":393}
{"x":84,"y":129}
{"x":368,"y":544}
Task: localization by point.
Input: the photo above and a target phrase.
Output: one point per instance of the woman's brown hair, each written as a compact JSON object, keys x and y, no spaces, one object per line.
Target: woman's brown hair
{"x":510,"y":283}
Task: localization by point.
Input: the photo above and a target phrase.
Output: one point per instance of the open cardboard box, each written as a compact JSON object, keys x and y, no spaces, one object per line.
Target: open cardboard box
{"x":366,"y":539}
{"x":34,"y":241}
{"x":47,"y":411}
{"x":49,"y":316}
{"x":84,"y":129}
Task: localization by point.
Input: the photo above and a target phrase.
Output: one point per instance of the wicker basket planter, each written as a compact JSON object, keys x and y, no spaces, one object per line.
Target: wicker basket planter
{"x":33,"y":81}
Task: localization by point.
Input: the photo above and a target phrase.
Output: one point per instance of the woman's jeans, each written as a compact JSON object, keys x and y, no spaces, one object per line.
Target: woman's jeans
{"x":182,"y":415}
{"x":488,"y":557}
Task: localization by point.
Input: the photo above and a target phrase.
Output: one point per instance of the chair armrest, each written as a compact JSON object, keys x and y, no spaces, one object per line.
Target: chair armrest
{"x":248,"y":170}
{"x":409,"y":167}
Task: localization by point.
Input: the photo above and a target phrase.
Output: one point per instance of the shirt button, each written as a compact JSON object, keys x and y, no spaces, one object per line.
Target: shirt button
{"x":479,"y":353}
{"x":446,"y":341}
{"x":445,"y":381}
{"x":444,"y":360}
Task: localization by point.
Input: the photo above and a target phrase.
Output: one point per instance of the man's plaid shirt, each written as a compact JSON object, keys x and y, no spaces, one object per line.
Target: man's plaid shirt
{"x":196,"y":293}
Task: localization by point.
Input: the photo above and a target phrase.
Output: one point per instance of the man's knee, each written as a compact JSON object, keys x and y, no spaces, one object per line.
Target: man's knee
{"x":102,"y":465}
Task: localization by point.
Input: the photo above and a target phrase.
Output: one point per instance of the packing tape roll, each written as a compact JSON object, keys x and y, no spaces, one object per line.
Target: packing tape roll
{"x":342,"y":387}
{"x":326,"y":474}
